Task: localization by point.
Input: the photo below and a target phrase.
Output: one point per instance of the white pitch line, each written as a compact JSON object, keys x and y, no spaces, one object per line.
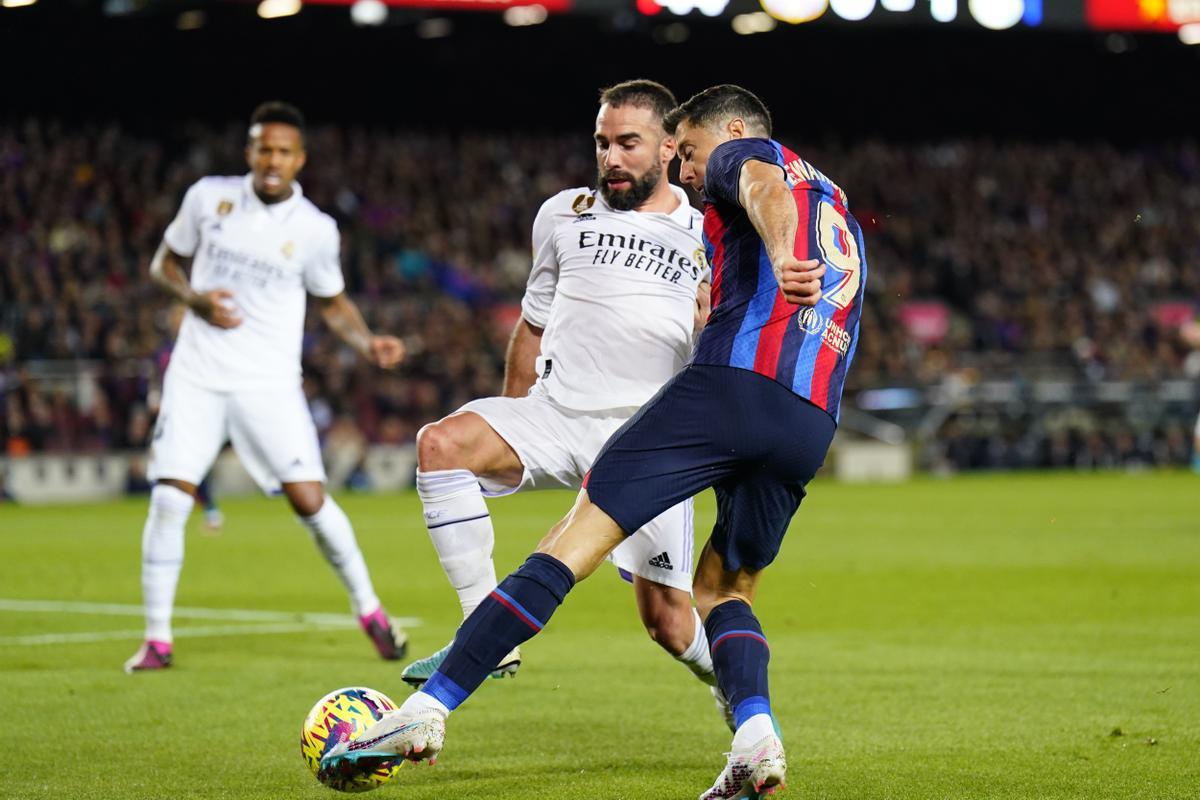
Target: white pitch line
{"x":180,"y":633}
{"x":231,"y":614}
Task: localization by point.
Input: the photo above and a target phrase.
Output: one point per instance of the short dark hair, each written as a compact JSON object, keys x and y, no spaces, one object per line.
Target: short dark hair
{"x":640,"y":93}
{"x":718,"y":103}
{"x":278,"y":111}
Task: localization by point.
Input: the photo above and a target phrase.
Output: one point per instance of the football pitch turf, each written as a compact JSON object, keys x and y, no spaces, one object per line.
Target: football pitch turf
{"x":1031,"y":636}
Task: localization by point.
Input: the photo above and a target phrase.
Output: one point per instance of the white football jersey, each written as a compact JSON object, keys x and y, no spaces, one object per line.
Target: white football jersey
{"x":615,"y":292}
{"x":270,"y":257}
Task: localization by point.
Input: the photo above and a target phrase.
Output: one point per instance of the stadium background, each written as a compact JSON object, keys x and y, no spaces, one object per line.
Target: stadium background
{"x":1033,"y":231}
{"x":1029,"y":198}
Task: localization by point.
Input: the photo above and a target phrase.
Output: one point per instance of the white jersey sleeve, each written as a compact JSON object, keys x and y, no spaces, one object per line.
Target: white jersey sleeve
{"x":323,"y":270}
{"x":543,"y":278}
{"x":183,"y":234}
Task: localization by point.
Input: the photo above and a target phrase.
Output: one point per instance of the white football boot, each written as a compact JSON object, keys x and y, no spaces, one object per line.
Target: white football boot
{"x":416,"y":737}
{"x":753,"y":773}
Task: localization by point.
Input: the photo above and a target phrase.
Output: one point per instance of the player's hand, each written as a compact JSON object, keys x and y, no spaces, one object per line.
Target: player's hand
{"x":216,"y":308}
{"x":703,"y":306}
{"x":385,"y":352}
{"x":800,"y":281}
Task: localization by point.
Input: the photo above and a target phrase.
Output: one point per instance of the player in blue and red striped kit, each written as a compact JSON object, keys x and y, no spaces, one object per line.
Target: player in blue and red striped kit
{"x":752,"y":416}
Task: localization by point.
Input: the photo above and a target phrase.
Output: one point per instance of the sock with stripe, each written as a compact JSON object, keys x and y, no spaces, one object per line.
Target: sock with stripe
{"x":513,"y":613}
{"x":740,"y":655}
{"x":461,"y":529}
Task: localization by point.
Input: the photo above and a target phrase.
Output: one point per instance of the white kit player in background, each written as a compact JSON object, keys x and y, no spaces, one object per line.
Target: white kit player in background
{"x":258,"y":249}
{"x":618,"y":289}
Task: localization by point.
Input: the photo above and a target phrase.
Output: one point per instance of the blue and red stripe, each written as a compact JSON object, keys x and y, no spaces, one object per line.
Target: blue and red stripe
{"x":740,"y":634}
{"x":506,"y":600}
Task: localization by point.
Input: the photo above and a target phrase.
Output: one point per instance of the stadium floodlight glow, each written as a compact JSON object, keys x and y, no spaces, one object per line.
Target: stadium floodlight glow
{"x":17,"y":3}
{"x":943,"y":10}
{"x":368,"y":12}
{"x":521,"y":16}
{"x":274,"y":9}
{"x":1190,"y":33}
{"x":795,"y":11}
{"x":852,"y":10}
{"x":898,"y":5}
{"x":758,"y":22}
{"x":190,"y":20}
{"x":434,"y":28}
{"x":997,"y":15}
{"x":709,"y":8}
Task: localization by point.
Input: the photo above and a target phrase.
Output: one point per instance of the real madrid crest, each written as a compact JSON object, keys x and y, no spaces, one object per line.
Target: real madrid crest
{"x":700,"y":257}
{"x":224,"y":207}
{"x":583,"y":202}
{"x":287,"y":249}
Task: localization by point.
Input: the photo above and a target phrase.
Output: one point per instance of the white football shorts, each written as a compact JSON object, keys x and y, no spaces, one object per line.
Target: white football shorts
{"x":270,"y":428}
{"x":557,"y":446}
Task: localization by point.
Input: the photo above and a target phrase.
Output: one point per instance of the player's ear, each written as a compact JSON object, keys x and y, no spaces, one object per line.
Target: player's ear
{"x":736,"y":128}
{"x":667,"y":149}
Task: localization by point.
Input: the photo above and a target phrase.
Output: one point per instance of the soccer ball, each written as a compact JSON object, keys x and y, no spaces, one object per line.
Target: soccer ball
{"x":340,"y":716}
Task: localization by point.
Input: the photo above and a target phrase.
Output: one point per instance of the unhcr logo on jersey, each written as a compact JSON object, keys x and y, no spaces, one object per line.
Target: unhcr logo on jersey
{"x":814,"y":323}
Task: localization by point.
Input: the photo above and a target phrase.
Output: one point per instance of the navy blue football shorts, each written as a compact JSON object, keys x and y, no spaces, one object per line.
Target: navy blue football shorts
{"x":751,"y":439}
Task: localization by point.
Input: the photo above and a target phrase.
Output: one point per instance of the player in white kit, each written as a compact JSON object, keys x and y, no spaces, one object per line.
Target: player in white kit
{"x":616,"y":293}
{"x":258,"y":248}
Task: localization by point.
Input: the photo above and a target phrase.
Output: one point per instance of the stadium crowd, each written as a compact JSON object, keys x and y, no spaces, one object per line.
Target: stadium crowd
{"x":1063,"y":261}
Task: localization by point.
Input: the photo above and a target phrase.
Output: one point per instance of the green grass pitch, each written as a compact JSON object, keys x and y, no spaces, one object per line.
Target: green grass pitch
{"x":1033,"y":636}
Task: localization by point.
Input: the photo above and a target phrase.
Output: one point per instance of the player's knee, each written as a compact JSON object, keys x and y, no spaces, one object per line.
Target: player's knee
{"x":440,"y":446}
{"x":306,"y":499}
{"x":671,"y":626}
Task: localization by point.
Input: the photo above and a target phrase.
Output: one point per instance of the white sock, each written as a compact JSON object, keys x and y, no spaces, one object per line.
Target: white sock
{"x":696,"y":657}
{"x":419,"y":702}
{"x":461,"y":530}
{"x":752,"y":731}
{"x":162,"y":556}
{"x":331,"y":530}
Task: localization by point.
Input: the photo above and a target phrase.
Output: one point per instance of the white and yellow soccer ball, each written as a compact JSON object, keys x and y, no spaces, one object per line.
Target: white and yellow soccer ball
{"x":340,"y":716}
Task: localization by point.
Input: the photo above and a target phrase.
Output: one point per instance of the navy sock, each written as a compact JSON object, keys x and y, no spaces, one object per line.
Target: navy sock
{"x":740,"y":655}
{"x":513,"y":613}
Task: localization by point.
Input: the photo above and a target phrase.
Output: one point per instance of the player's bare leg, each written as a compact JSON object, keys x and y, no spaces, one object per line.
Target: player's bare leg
{"x":452,"y":455}
{"x":171,"y":503}
{"x":515,"y":611}
{"x":673,"y":622}
{"x":756,"y":764}
{"x":334,"y":536}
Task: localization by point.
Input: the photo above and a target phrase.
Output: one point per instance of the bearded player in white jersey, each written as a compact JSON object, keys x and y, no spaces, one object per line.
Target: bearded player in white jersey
{"x":617,"y":292}
{"x":257,"y":248}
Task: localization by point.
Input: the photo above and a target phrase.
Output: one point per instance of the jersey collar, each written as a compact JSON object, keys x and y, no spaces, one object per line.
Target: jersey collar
{"x":255,"y":202}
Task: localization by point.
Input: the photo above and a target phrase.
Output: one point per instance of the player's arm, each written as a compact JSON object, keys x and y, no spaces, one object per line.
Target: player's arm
{"x":520,"y":361}
{"x":167,"y":272}
{"x":525,"y":345}
{"x":343,"y":318}
{"x":765,"y":195}
{"x":703,"y":306}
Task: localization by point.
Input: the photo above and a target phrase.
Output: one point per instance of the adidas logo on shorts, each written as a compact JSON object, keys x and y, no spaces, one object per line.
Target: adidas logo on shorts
{"x":662,"y":561}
